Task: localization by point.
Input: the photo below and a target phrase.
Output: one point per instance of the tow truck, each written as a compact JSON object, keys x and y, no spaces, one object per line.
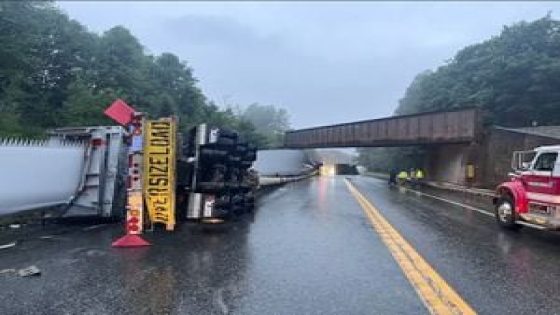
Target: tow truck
{"x":531,"y":197}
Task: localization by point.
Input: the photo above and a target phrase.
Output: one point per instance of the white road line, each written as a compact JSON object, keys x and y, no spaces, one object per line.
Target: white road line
{"x":93,"y":227}
{"x":485,"y":212}
{"x":9,"y":245}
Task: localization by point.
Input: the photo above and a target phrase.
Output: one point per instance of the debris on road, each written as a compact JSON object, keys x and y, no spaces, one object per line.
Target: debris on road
{"x":29,"y":271}
{"x":10,"y":270}
{"x":25,"y":272}
{"x":9,"y":245}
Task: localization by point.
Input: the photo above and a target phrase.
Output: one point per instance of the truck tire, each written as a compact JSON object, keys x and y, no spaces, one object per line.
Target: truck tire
{"x":505,"y":213}
{"x":232,"y":159}
{"x":227,"y":133}
{"x":241,"y":149}
{"x":210,"y":186}
{"x":245,"y":164}
{"x":232,"y":185}
{"x":223,"y":141}
{"x":213,"y":154}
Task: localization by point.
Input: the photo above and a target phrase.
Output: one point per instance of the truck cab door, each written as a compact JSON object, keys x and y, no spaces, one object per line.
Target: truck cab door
{"x":539,"y":180}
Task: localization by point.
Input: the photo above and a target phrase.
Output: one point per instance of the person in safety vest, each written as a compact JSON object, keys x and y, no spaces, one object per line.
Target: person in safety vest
{"x":402,"y":177}
{"x":419,"y":174}
{"x":418,"y":177}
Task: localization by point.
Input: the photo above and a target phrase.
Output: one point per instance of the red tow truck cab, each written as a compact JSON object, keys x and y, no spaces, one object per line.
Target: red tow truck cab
{"x":532,"y":195}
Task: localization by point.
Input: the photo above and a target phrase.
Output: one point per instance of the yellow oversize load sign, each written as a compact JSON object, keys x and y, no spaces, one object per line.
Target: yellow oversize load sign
{"x":159,"y":170}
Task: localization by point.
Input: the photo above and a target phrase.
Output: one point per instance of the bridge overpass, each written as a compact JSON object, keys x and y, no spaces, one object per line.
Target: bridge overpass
{"x":454,"y":138}
{"x":444,"y":127}
{"x":460,"y":149}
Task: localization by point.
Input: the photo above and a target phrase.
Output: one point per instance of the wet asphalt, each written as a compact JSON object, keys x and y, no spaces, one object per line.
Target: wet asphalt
{"x":496,"y":271}
{"x":307,"y":249}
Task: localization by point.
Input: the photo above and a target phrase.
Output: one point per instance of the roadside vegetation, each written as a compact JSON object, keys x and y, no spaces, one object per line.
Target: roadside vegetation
{"x":54,"y":72}
{"x":514,"y":77}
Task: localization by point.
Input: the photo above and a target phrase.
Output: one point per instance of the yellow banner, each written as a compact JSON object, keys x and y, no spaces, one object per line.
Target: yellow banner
{"x":159,"y":170}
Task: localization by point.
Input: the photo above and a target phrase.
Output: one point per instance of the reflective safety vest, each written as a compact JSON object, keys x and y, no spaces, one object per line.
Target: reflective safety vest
{"x":403,"y":175}
{"x":419,"y":174}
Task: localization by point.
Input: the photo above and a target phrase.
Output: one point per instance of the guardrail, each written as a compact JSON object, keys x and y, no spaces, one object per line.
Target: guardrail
{"x":267,"y":181}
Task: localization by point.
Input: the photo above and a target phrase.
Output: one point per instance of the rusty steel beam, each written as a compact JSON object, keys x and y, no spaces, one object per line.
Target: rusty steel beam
{"x":456,"y":126}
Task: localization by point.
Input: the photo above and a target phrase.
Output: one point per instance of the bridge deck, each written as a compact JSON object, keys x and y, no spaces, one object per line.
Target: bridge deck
{"x":458,"y":126}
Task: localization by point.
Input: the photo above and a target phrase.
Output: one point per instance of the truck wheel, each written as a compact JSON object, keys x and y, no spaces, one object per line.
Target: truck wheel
{"x":505,"y":213}
{"x":210,"y":186}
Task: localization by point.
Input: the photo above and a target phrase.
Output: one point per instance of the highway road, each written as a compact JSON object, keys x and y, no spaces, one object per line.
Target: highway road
{"x":326,"y":245}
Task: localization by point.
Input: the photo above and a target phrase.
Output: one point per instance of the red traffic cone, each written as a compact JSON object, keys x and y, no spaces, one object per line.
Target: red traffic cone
{"x":130,"y":240}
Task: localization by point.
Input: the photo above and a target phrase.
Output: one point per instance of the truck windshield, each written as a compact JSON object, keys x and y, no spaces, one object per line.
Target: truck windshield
{"x":546,"y":161}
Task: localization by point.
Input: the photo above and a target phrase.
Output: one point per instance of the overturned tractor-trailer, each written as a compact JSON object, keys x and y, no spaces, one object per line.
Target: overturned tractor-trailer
{"x":144,"y":171}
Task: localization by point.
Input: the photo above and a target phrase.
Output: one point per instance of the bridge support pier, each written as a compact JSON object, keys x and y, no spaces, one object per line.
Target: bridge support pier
{"x":454,"y":163}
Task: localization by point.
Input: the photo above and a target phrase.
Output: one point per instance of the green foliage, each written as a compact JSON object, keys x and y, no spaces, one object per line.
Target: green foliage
{"x":54,"y":72}
{"x":269,"y":121}
{"x":84,"y":107}
{"x":514,"y":77}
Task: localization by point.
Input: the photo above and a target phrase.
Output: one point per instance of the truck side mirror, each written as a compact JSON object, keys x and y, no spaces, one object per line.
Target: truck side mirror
{"x":525,"y":165}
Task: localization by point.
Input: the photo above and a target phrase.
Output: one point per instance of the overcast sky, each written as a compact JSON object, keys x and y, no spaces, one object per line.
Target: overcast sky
{"x":325,"y":62}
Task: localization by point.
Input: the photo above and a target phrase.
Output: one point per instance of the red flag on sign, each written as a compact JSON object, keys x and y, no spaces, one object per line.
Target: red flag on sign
{"x":120,"y":112}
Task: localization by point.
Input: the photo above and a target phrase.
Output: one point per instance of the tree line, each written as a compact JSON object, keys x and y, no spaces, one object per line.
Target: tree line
{"x":514,"y":77}
{"x":55,"y":72}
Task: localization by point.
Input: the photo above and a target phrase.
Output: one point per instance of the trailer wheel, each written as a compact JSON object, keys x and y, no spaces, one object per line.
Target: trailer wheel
{"x":505,"y":213}
{"x":210,"y":186}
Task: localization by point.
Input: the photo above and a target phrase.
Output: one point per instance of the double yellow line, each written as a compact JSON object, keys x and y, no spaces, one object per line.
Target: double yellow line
{"x":436,"y":294}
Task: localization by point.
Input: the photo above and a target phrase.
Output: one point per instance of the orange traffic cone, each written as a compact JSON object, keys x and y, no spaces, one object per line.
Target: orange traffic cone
{"x":130,"y":240}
